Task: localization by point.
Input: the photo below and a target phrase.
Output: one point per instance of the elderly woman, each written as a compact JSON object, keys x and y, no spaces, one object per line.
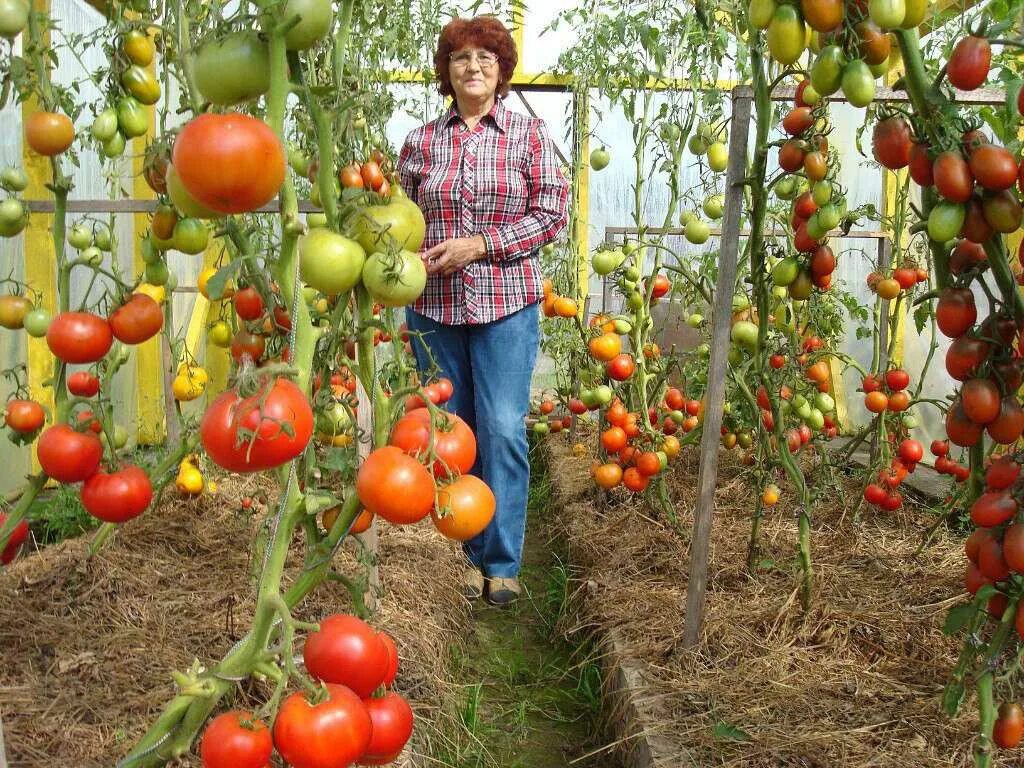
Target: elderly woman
{"x":492,"y":193}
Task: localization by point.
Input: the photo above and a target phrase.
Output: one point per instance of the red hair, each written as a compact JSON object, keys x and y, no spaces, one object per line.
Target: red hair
{"x":486,"y":32}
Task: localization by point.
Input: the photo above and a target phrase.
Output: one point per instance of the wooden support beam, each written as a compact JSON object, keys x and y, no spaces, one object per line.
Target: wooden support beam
{"x":707,"y":473}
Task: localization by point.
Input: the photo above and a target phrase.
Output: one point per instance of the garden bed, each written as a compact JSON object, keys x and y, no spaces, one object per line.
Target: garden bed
{"x":89,"y":645}
{"x":855,"y":682}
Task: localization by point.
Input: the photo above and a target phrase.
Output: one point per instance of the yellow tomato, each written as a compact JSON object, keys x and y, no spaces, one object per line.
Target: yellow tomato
{"x":139,"y":48}
{"x":204,"y":278}
{"x":338,"y":441}
{"x":196,"y":372}
{"x":220,"y":334}
{"x":186,"y":387}
{"x":155,"y":292}
{"x":770,"y":497}
{"x":189,"y":481}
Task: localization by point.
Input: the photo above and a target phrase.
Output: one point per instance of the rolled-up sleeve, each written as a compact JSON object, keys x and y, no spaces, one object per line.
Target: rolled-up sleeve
{"x":545,"y":214}
{"x":410,"y":166}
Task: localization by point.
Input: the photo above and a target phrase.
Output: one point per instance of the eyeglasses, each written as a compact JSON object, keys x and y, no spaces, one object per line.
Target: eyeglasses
{"x":485,"y":59}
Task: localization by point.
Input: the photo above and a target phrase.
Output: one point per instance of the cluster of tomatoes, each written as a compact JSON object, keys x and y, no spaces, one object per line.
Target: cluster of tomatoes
{"x":850,"y":39}
{"x":944,"y":465}
{"x":633,"y":459}
{"x":887,"y":393}
{"x":605,"y":347}
{"x":137,"y":88}
{"x":903,"y":278}
{"x":13,"y":213}
{"x":352,"y":719}
{"x":546,"y":407}
{"x":367,"y":175}
{"x":707,"y":142}
{"x":816,"y":210}
{"x":883,"y":494}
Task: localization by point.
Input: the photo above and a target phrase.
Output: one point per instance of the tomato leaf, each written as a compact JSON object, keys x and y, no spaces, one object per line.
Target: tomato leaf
{"x":339,"y":460}
{"x":216,"y":284}
{"x":726,"y":732}
{"x":959,"y":616}
{"x":921,"y":315}
{"x":318,"y":500}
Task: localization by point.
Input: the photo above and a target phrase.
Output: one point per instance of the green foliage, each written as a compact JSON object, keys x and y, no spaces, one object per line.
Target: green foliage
{"x":60,"y":515}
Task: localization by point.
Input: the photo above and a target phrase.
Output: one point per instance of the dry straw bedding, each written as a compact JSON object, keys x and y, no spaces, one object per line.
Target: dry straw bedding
{"x":88,"y":645}
{"x":855,"y":682}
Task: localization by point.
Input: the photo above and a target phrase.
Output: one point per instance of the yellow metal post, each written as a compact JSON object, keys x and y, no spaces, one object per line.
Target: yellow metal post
{"x":583,"y":194}
{"x":40,"y":255}
{"x":149,"y":363}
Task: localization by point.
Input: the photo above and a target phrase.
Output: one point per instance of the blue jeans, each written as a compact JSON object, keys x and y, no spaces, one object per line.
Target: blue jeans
{"x":490,"y":366}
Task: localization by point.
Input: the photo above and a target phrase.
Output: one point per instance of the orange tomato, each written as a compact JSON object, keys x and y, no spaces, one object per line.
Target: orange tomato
{"x":605,"y":347}
{"x":876,"y":402}
{"x":565,"y":307}
{"x":49,"y":133}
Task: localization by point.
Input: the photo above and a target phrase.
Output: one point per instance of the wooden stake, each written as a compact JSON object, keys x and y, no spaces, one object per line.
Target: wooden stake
{"x":707,"y":476}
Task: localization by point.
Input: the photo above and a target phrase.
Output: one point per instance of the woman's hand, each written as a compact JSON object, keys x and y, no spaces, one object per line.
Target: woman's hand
{"x":454,"y":254}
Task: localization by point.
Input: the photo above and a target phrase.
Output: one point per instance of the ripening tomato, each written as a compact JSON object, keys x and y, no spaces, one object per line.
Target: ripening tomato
{"x":24,"y":416}
{"x":634,"y":480}
{"x":969,"y":63}
{"x":347,"y":651}
{"x":68,"y":456}
{"x":236,"y":739}
{"x":395,"y":486}
{"x":261,"y":431}
{"x":993,"y":167}
{"x":791,"y":156}
{"x":137,"y":320}
{"x":891,"y":142}
{"x":454,"y":442}
{"x":1002,"y":210}
{"x":332,"y":734}
{"x":119,"y":496}
{"x":245,"y":344}
{"x":392,"y":720}
{"x":953,"y":178}
{"x":876,"y":402}
{"x":621,"y":367}
{"x":465,"y":507}
{"x":955,"y":312}
{"x":49,"y":133}
{"x":605,"y":347}
{"x":607,"y":476}
{"x":798,"y":120}
{"x":79,"y":337}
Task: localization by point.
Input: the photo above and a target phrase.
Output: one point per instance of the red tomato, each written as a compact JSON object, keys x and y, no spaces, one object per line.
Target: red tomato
{"x":236,"y":740}
{"x":347,"y":651}
{"x":980,"y":399}
{"x":83,"y":384}
{"x":960,"y":429}
{"x":911,"y":451}
{"x":454,"y":442}
{"x":920,"y":165}
{"x":776,"y":361}
{"x":392,"y":484}
{"x":634,"y":480}
{"x":993,"y":508}
{"x":1002,"y":473}
{"x":119,"y":496}
{"x":265,"y":443}
{"x":17,"y":538}
{"x":392,"y":666}
{"x":138,"y":319}
{"x":245,"y":344}
{"x":248,"y":303}
{"x":79,"y":337}
{"x":969,"y":63}
{"x":230,"y":163}
{"x":874,"y":494}
{"x":891,"y":142}
{"x":332,"y":734}
{"x":953,"y":178}
{"x":392,"y":726}
{"x":897,"y":379}
{"x":24,"y":416}
{"x":791,"y":156}
{"x":621,"y":367}
{"x":68,"y":456}
{"x":445,"y":389}
{"x":955,"y":311}
{"x":993,"y":167}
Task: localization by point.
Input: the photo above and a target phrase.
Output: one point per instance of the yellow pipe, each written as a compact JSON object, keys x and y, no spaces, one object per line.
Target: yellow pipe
{"x":40,"y":256}
{"x":149,"y":363}
{"x":583,"y":201}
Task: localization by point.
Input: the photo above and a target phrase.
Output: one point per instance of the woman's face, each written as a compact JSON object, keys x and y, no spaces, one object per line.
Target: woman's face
{"x":474,"y":73}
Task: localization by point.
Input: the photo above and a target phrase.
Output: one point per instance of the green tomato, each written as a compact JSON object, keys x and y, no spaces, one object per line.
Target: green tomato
{"x":330,"y":262}
{"x":823,"y":402}
{"x":105,"y":125}
{"x":803,"y":411}
{"x":815,"y":419}
{"x":779,"y":292}
{"x":37,"y":321}
{"x":714,"y":206}
{"x":632,"y":274}
{"x":13,"y":179}
{"x":541,"y":427}
{"x":603,"y":394}
{"x":858,"y":83}
{"x":697,"y":231}
{"x":316,"y":220}
{"x":607,"y":260}
{"x":315,"y":19}
{"x":945,"y":221}
{"x":157,"y":273}
{"x":298,"y":162}
{"x":13,"y":17}
{"x":677,"y":416}
{"x":703,"y":350}
{"x":80,"y":236}
{"x":600,"y":158}
{"x":92,"y":256}
{"x":114,"y":146}
{"x":718,"y":157}
{"x":120,"y":437}
{"x":622,"y":327}
{"x":697,"y":145}
{"x":816,"y":226}
{"x":888,"y":14}
{"x":827,"y":70}
{"x":800,"y":289}
{"x":310,"y":295}
{"x":670,"y":131}
{"x":233,"y":69}
{"x":828,"y":215}
{"x":142,"y":84}
{"x":786,"y":34}
{"x":744,"y":333}
{"x":810,"y":96}
{"x":686,"y":216}
{"x":786,"y":188}
{"x":821,"y":192}
{"x":740,"y":302}
{"x":910,"y":420}
{"x":629,"y":247}
{"x":394,"y":279}
{"x":635,"y":300}
{"x":695,"y":320}
{"x":12,"y":214}
{"x":785,"y":271}
{"x":101,"y":236}
{"x":132,"y":118}
{"x":148,"y":251}
{"x":190,"y":236}
{"x":760,"y":13}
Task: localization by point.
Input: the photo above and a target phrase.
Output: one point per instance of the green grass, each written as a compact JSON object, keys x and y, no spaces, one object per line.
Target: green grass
{"x":59,"y":515}
{"x":528,"y":699}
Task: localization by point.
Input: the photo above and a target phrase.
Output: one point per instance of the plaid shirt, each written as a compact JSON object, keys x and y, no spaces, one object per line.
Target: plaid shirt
{"x":499,"y":180}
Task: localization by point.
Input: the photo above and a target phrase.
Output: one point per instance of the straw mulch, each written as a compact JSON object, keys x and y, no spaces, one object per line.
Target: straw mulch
{"x":856,"y":682}
{"x":88,"y":645}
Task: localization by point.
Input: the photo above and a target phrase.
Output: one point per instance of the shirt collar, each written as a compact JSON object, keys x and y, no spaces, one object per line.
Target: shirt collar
{"x":499,"y":115}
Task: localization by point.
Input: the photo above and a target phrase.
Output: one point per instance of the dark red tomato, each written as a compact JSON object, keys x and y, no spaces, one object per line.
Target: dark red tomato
{"x":138,"y":319}
{"x":245,"y":344}
{"x":392,"y":666}
{"x":1009,"y":726}
{"x":991,"y":562}
{"x":993,"y":508}
{"x":392,"y":722}
{"x":969,"y":63}
{"x":993,"y":167}
{"x":980,"y":399}
{"x":347,"y":651}
{"x":262,"y":431}
{"x":798,"y":120}
{"x":68,"y":456}
{"x":24,"y":416}
{"x":236,"y":740}
{"x":977,"y":230}
{"x":17,"y":538}
{"x":891,"y":142}
{"x":1002,"y":211}
{"x":973,"y":139}
{"x":973,"y":543}
{"x":83,"y":384}
{"x":332,"y":734}
{"x":119,"y":496}
{"x":804,"y":205}
{"x":1002,"y":473}
{"x":454,"y":442}
{"x":282,"y":319}
{"x":1008,"y":426}
{"x":955,"y":312}
{"x":1013,"y":546}
{"x":964,"y":356}
{"x":1010,"y":372}
{"x":897,"y":379}
{"x":939,"y":448}
{"x":823,"y":261}
{"x":621,"y":367}
{"x":953,"y":178}
{"x":960,"y":429}
{"x":920,"y":164}
{"x":975,"y":579}
{"x":791,"y":157}
{"x":248,"y":303}
{"x":79,"y":337}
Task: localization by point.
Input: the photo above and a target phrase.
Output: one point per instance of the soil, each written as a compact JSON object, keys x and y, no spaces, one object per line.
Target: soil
{"x":855,"y":681}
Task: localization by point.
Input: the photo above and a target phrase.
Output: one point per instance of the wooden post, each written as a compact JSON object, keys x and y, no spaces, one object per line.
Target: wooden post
{"x":369,"y":540}
{"x":3,"y":748}
{"x":707,"y":475}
